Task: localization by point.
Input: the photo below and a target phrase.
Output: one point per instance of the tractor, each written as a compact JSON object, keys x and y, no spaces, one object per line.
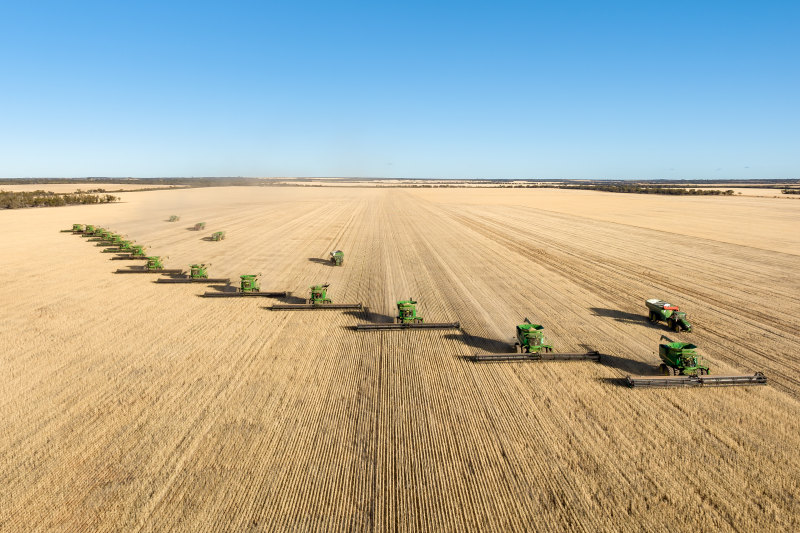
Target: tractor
{"x":530,"y":339}
{"x":218,"y":236}
{"x":337,"y":257}
{"x":661,"y":311}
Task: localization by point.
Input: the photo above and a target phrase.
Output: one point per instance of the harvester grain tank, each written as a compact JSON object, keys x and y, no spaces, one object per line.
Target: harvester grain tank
{"x":218,"y":236}
{"x":337,"y":258}
{"x":154,"y":265}
{"x":407,"y":318}
{"x":531,"y":345}
{"x":198,"y":273}
{"x":661,"y":311}
{"x":318,"y":299}
{"x":682,"y":366}
{"x":248,"y":286}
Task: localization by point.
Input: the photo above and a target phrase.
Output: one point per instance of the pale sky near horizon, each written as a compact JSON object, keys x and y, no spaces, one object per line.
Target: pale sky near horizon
{"x":620,"y":90}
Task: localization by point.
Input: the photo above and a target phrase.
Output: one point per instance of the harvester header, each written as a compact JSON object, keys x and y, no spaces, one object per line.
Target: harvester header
{"x":407,"y":318}
{"x":531,"y":345}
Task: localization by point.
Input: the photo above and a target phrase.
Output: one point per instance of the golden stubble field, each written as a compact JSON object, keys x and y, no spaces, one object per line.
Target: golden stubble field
{"x":126,"y":405}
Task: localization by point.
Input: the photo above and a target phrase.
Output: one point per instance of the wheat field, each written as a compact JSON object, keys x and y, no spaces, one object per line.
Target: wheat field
{"x":132,"y":406}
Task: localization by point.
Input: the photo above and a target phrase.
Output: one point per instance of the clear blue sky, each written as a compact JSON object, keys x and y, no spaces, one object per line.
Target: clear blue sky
{"x":401,"y":89}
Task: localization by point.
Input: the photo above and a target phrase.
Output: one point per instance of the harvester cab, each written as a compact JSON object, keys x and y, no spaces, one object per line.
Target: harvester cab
{"x":249,"y":283}
{"x":218,"y":236}
{"x":661,"y":311}
{"x":319,"y":295}
{"x":407,"y":312}
{"x":174,"y":218}
{"x":154,"y":263}
{"x":530,"y":338}
{"x":680,"y":359}
{"x":337,"y":257}
{"x":199,"y":226}
{"x":198,"y":271}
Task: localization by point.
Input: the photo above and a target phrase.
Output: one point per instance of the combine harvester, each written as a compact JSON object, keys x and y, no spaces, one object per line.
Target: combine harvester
{"x":218,"y":236}
{"x":407,"y":318}
{"x":154,"y":266}
{"x":174,"y":218}
{"x":661,"y":311}
{"x":197,"y":274}
{"x":531,"y":346}
{"x":248,"y":286}
{"x":318,"y":300}
{"x":199,"y":226}
{"x":682,"y":367}
{"x":337,"y":258}
{"x":76,"y":229}
{"x":135,"y":252}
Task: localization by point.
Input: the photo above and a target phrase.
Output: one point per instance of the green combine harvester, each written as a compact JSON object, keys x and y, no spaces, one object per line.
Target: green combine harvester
{"x":88,"y":230}
{"x":218,"y":236}
{"x":123,"y":246}
{"x":135,"y":252}
{"x":198,"y":273}
{"x":661,"y":311}
{"x":317,"y":300}
{"x":199,"y":226}
{"x":531,"y":346}
{"x":337,"y":258}
{"x":154,"y":266}
{"x":174,"y":218}
{"x":407,"y":318}
{"x":76,"y":228}
{"x":682,"y":366}
{"x":248,"y":286}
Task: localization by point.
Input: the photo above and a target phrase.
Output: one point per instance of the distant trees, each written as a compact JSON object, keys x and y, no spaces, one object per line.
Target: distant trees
{"x":650,"y":189}
{"x":16,"y":200}
{"x":791,"y":191}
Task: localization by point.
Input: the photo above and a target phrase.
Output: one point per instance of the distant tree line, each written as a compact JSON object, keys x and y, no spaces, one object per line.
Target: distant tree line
{"x":644,"y":189}
{"x":16,"y":200}
{"x":791,"y":191}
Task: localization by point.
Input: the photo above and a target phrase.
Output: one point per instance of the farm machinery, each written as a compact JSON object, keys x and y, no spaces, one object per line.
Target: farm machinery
{"x":174,"y":218}
{"x":682,"y":366}
{"x":199,"y":226}
{"x":318,"y":299}
{"x":154,"y":265}
{"x":135,"y":251}
{"x":531,"y":345}
{"x":337,"y":258}
{"x":661,"y":311}
{"x":248,"y":286}
{"x":218,"y":236}
{"x":76,"y":228}
{"x":407,"y":318}
{"x":198,"y":273}
{"x":88,"y":230}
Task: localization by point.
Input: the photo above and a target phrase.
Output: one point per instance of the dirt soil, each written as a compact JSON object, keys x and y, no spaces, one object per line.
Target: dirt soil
{"x":130,"y":405}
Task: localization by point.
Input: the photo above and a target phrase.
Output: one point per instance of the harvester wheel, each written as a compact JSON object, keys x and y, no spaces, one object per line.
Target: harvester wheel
{"x":663,"y":369}
{"x":517,"y":348}
{"x":650,"y":316}
{"x":676,"y":327}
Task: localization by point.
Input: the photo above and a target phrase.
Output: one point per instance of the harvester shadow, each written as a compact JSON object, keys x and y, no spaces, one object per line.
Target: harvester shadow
{"x":320,"y":261}
{"x":621,"y":316}
{"x":208,"y":239}
{"x":481,"y":343}
{"x":619,"y":382}
{"x":627,"y":365}
{"x":222,"y":288}
{"x":292,"y":300}
{"x":369,"y":316}
{"x":192,"y":228}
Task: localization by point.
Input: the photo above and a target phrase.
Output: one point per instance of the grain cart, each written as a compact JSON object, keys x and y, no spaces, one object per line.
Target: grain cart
{"x":661,"y":311}
{"x":198,"y":273}
{"x":199,"y":226}
{"x":174,"y":218}
{"x":682,"y":366}
{"x":218,"y":236}
{"x":318,"y":299}
{"x":337,"y":258}
{"x":407,"y":318}
{"x":248,"y":286}
{"x":530,"y":345}
{"x":154,"y":266}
